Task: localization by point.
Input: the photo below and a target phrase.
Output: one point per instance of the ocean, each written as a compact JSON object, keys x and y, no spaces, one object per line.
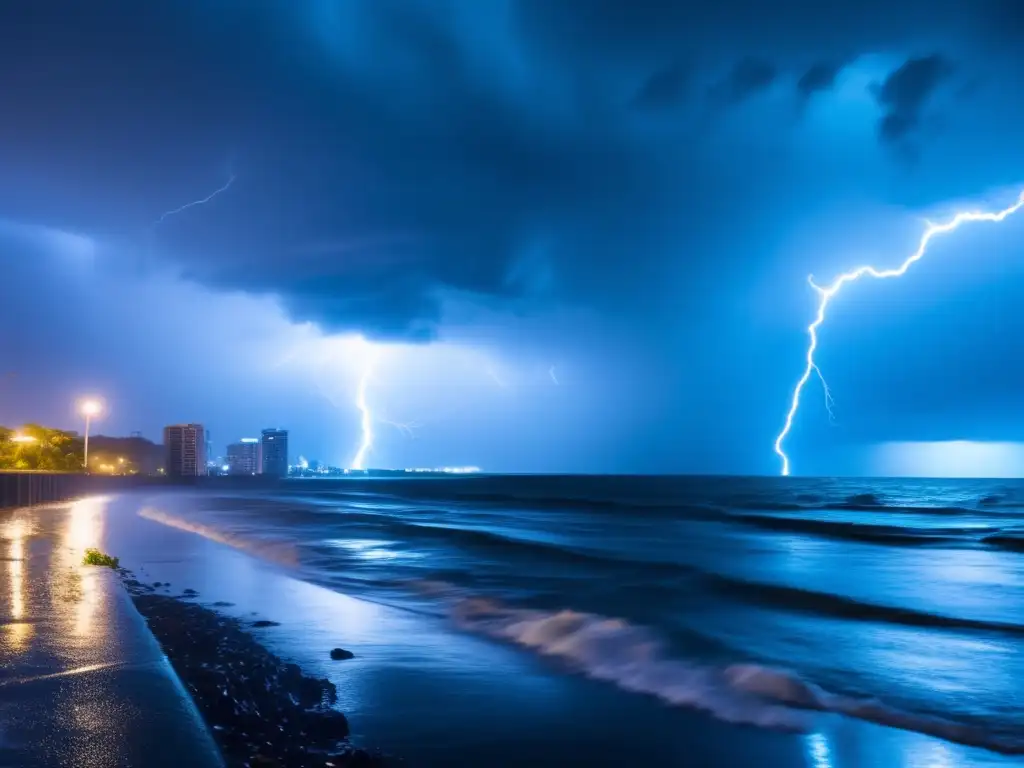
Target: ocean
{"x":764,"y":602}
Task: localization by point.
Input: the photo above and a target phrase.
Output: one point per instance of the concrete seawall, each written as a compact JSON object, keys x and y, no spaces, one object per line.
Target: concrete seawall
{"x":26,"y":489}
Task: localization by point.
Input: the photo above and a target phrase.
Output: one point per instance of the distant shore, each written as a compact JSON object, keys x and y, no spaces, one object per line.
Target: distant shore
{"x":260,"y":710}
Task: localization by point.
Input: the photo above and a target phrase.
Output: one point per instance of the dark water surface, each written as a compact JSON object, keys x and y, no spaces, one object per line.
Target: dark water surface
{"x":768,"y":602}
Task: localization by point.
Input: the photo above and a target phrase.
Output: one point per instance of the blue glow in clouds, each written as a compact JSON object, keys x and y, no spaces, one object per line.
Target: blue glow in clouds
{"x":826,"y":294}
{"x":948,"y":458}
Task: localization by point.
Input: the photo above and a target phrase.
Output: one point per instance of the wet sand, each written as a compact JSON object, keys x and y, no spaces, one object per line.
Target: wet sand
{"x":420,"y":690}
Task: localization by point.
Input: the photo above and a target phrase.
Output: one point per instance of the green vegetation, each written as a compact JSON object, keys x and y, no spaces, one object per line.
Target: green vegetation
{"x":95,"y":557}
{"x":40,"y":449}
{"x":34,"y":448}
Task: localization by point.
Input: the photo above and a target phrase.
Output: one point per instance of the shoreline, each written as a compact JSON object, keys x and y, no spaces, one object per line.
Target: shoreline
{"x":498,"y":699}
{"x":259,"y":709}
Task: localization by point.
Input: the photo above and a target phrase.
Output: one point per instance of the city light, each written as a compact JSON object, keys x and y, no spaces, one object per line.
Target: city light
{"x":24,"y":439}
{"x":90,"y":408}
{"x":446,"y":470}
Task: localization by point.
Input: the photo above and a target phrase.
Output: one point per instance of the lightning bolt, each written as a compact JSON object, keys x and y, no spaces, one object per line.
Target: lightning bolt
{"x":406,"y":428}
{"x":492,"y":373}
{"x":829,"y":401}
{"x":366,"y":420}
{"x":194,"y":203}
{"x":826,"y":294}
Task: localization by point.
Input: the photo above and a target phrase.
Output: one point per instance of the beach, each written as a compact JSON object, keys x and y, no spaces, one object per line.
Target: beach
{"x":425,"y":688}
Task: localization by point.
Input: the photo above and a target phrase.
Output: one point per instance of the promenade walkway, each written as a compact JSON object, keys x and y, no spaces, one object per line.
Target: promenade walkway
{"x":82,"y":681}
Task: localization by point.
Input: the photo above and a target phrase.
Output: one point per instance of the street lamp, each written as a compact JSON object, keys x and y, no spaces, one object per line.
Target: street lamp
{"x":89,"y":408}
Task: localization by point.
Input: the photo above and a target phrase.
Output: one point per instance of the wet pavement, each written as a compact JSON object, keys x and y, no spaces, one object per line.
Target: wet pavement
{"x":82,"y":681}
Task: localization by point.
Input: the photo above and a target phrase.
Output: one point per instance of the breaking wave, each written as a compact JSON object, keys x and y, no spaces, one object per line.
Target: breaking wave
{"x":277,"y":551}
{"x":1011,"y":540}
{"x":879,"y":534}
{"x":839,"y":606}
{"x":636,"y":660}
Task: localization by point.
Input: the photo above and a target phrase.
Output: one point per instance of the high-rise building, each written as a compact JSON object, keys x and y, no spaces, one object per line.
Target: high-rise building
{"x":274,"y":444}
{"x":185,"y":446}
{"x":244,"y":457}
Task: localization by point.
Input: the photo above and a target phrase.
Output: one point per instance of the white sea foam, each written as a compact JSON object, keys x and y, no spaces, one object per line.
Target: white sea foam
{"x":634,"y":659}
{"x":630,"y":657}
{"x":277,"y":551}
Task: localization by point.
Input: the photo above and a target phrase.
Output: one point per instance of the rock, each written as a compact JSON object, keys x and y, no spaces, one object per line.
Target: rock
{"x":327,"y":727}
{"x":340,"y":654}
{"x":264,"y":623}
{"x":261,"y":710}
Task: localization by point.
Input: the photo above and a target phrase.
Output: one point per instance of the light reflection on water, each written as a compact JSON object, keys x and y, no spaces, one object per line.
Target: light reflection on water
{"x":83,"y":530}
{"x":370,"y":549}
{"x":15,"y":533}
{"x":932,"y":754}
{"x":85,"y":524}
{"x":818,"y":750}
{"x":19,"y":632}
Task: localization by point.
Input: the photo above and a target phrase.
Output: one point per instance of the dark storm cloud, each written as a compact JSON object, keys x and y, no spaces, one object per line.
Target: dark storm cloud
{"x":664,"y":88}
{"x":444,"y":146}
{"x":906,"y":92}
{"x":819,"y":77}
{"x":747,"y":78}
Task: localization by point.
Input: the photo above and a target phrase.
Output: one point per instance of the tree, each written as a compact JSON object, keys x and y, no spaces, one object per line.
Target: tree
{"x":38,"y":448}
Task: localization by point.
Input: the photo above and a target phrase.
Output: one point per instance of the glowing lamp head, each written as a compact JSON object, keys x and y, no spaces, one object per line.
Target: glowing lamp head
{"x":91,"y":408}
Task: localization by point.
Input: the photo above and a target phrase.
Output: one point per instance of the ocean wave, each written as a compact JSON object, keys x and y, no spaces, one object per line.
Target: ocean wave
{"x":409,"y":530}
{"x":858,"y":502}
{"x":839,"y":606}
{"x":311,"y":553}
{"x":439,"y":493}
{"x":875,"y":533}
{"x":897,"y":509}
{"x":1009,"y":499}
{"x":809,"y":498}
{"x":1013,"y":541}
{"x":631,"y":657}
{"x":865,"y":499}
{"x":770,"y":506}
{"x":788,"y":688}
{"x":277,"y":551}
{"x":635,"y":659}
{"x":645,"y":507}
{"x":560,"y":502}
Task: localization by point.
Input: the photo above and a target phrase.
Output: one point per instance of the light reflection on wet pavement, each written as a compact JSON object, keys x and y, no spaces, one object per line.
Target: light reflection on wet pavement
{"x":82,"y":682}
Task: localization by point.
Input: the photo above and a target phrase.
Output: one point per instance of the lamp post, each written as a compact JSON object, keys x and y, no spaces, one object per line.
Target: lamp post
{"x":89,"y":409}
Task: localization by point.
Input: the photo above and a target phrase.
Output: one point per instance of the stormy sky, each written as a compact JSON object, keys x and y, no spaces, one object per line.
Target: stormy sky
{"x":561,"y":236}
